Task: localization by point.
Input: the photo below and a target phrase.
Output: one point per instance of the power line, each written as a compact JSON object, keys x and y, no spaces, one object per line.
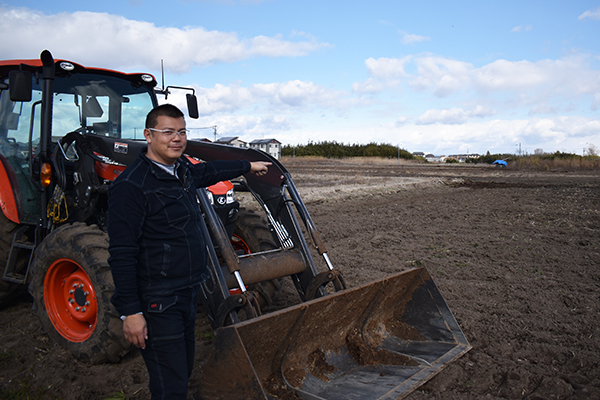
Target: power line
{"x":213,"y":127}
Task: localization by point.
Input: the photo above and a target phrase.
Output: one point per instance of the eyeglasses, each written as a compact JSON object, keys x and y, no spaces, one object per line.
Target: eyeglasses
{"x":170,"y":133}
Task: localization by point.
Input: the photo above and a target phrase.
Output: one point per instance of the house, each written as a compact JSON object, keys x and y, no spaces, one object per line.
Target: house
{"x":431,"y":158}
{"x":232,"y":141}
{"x":270,"y":146}
{"x":464,"y":157}
{"x":418,"y":154}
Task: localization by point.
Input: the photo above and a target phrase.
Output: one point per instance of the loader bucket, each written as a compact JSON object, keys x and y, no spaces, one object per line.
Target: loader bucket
{"x":378,"y":341}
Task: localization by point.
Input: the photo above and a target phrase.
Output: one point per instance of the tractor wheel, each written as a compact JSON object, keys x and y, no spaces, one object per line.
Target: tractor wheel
{"x":71,"y":287}
{"x":251,"y":235}
{"x":7,"y":231}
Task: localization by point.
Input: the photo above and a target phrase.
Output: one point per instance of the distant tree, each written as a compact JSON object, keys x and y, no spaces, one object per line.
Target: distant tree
{"x":340,"y":150}
{"x":538,"y":152}
{"x":592,"y":150}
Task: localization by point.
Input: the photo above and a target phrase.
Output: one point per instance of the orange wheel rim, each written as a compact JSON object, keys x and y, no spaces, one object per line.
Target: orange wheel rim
{"x":70,"y":300}
{"x":239,"y":244}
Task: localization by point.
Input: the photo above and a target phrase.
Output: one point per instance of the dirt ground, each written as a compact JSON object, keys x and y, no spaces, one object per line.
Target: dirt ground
{"x":515,"y":254}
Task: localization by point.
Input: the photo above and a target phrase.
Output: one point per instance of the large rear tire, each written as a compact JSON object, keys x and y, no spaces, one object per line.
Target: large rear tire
{"x":7,"y":230}
{"x":71,"y":287}
{"x":251,"y":235}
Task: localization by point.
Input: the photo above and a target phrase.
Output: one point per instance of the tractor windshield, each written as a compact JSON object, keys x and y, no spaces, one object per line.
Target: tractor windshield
{"x":93,"y":103}
{"x":102,"y":105}
{"x":88,"y":103}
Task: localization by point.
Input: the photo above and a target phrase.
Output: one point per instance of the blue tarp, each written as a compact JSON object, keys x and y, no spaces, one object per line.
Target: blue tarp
{"x":500,"y":162}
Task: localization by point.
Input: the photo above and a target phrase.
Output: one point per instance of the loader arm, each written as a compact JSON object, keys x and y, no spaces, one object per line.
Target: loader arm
{"x":278,"y":196}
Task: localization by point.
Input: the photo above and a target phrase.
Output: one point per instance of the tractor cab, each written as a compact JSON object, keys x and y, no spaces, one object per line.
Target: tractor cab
{"x":89,"y":101}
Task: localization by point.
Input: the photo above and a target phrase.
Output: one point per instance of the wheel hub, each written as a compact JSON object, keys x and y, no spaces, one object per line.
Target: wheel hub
{"x":70,"y":300}
{"x":80,"y":297}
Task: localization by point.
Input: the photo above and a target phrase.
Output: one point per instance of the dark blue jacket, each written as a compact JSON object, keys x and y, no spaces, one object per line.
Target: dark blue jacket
{"x":156,"y":242}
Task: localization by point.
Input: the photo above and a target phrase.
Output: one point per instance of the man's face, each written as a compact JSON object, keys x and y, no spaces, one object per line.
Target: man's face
{"x":162,"y":147}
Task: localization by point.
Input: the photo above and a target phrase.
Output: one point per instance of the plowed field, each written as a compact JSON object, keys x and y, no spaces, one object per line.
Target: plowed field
{"x":515,"y":254}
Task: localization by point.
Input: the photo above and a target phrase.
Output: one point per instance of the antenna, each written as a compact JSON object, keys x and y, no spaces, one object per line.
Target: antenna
{"x":162,"y":73}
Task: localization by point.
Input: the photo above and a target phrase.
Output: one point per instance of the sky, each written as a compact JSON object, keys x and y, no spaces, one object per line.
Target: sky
{"x":431,"y":76}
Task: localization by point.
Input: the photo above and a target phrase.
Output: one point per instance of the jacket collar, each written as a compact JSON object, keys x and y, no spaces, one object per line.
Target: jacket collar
{"x":160,"y":173}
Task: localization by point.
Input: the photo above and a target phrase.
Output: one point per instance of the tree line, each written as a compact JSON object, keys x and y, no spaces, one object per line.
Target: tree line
{"x":340,"y":150}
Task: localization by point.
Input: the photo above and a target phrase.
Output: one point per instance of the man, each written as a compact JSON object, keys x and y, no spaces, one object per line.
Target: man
{"x":157,"y":249}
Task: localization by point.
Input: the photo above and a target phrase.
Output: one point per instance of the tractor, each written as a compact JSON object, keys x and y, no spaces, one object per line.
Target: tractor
{"x":67,"y":131}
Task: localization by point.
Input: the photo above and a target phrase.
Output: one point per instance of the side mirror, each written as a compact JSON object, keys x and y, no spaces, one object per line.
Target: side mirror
{"x":192,"y":105}
{"x":20,"y":86}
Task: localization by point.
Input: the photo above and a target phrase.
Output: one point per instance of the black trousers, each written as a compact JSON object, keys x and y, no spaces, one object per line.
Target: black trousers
{"x":171,"y":344}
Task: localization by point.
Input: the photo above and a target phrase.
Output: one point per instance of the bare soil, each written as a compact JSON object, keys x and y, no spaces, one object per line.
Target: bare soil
{"x":515,"y":254}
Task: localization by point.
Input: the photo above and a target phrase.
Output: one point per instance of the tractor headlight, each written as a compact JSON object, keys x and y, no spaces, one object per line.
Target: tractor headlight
{"x":211,"y":198}
{"x":230,"y":196}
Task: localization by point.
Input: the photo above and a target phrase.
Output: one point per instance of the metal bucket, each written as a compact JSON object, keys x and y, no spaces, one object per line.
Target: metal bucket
{"x":381,"y":340}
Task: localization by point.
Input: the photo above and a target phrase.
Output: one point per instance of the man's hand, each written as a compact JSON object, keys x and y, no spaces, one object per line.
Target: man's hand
{"x":135,"y":330}
{"x":259,"y":168}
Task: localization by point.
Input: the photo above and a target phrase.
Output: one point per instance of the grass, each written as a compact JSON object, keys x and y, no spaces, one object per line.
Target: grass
{"x":117,"y":396}
{"x":545,"y":162}
{"x":549,"y":163}
{"x":352,"y":160}
{"x":207,"y":335}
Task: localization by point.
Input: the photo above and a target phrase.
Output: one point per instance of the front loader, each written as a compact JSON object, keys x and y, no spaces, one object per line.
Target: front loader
{"x":377,"y":341}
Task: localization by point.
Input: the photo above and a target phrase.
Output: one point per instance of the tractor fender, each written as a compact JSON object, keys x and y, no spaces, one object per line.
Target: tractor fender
{"x":8,"y":180}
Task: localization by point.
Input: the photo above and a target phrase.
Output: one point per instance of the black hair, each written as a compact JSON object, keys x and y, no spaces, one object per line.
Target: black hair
{"x":167,"y":110}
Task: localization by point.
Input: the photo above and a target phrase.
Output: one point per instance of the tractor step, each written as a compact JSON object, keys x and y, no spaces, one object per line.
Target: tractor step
{"x":18,"y":248}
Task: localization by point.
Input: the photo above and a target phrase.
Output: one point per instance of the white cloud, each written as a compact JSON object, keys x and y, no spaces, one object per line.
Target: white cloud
{"x":280,"y":97}
{"x":247,"y":127}
{"x":445,"y":76}
{"x":387,"y":68}
{"x":302,"y":95}
{"x":523,"y":82}
{"x":543,"y":109}
{"x":370,"y":86}
{"x":453,"y":115}
{"x":411,"y":38}
{"x":498,"y":136}
{"x":386,"y":72}
{"x":90,"y":38}
{"x":595,"y":14}
{"x":401,"y":120}
{"x":223,"y":99}
{"x":521,"y":28}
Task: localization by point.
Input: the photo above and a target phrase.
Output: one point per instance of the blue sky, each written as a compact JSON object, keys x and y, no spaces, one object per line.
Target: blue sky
{"x":427,"y":76}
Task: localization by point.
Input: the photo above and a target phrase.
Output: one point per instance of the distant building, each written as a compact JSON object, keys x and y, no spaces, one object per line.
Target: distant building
{"x":431,"y":158}
{"x":232,"y":141}
{"x":418,"y":154}
{"x":270,"y":146}
{"x":464,"y":157}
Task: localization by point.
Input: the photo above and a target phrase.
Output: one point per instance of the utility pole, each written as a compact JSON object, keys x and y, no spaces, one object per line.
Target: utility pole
{"x":213,"y":127}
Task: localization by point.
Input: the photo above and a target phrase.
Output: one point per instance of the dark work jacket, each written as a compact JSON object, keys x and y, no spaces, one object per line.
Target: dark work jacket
{"x":154,"y":225}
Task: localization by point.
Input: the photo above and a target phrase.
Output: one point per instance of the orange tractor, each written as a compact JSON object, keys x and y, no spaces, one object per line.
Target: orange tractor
{"x":66,"y":132}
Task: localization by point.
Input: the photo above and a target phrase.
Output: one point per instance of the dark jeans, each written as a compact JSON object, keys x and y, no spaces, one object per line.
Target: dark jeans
{"x":170,"y":348}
